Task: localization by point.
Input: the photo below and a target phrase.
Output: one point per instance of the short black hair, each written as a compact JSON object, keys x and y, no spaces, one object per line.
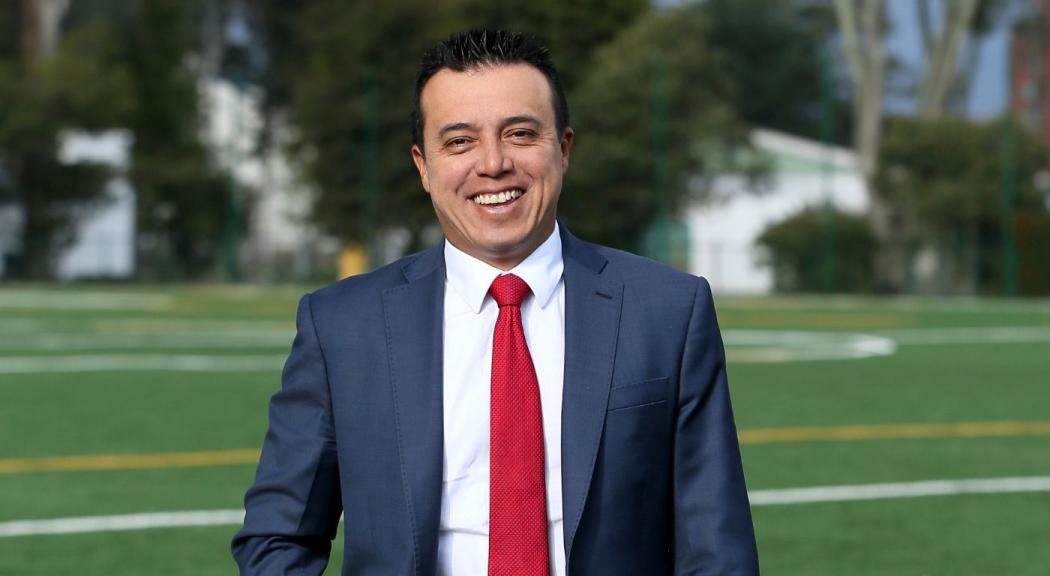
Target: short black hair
{"x":475,"y":48}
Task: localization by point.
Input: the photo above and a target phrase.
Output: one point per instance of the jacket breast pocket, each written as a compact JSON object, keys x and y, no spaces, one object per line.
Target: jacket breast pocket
{"x":638,"y":394}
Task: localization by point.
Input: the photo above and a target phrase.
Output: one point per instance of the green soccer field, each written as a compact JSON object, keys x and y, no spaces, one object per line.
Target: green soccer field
{"x":879,"y":436}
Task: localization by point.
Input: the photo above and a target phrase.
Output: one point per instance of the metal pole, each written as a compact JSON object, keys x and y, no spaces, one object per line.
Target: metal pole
{"x":1009,"y":167}
{"x":661,"y":161}
{"x":827,"y":134}
{"x":370,"y":165}
{"x":233,"y":209}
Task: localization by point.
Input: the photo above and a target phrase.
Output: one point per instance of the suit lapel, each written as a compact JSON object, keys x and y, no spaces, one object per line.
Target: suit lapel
{"x":592,"y":318}
{"x":414,"y":333}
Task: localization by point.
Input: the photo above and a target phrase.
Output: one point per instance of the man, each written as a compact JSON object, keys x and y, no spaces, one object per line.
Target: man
{"x":515,"y":400}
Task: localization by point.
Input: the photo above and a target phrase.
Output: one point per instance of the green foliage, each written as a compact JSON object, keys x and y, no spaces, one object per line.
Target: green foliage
{"x":82,"y":86}
{"x":126,"y":65}
{"x":820,"y":251}
{"x":945,"y":180}
{"x":1033,"y":243}
{"x":572,"y":30}
{"x":343,"y":73}
{"x":659,"y":72}
{"x":771,"y":54}
{"x":350,"y":96}
{"x":183,"y":201}
{"x":341,"y":79}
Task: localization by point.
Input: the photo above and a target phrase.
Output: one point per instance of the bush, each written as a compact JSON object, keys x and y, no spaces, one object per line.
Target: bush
{"x":818,"y":250}
{"x":946,"y":181}
{"x":1033,"y":247}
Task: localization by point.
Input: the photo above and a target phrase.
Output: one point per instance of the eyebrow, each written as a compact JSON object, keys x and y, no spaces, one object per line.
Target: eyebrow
{"x":521,"y":119}
{"x":456,"y":126}
{"x":524,"y":119}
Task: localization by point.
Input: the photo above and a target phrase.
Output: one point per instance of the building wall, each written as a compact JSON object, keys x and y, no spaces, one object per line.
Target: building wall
{"x":723,"y":230}
{"x":104,"y":245}
{"x":280,"y":240}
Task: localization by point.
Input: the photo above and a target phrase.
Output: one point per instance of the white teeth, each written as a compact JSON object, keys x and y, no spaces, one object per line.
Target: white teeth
{"x":499,"y":197}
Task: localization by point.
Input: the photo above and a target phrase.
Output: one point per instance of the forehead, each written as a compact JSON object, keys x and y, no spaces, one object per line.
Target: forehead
{"x":486,"y":94}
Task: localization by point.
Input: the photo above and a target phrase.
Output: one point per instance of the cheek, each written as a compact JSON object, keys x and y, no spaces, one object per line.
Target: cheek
{"x":448,"y":177}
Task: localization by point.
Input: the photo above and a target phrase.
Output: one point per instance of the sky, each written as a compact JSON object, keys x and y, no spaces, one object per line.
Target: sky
{"x":988,"y":93}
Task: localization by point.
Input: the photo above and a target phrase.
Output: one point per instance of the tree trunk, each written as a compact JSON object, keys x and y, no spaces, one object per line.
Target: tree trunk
{"x":942,"y":56}
{"x":866,"y":57}
{"x":37,"y":230}
{"x":40,"y":34}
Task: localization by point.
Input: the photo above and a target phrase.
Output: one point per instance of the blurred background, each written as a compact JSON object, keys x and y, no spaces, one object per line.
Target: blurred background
{"x":865,"y":183}
{"x":886,"y":147}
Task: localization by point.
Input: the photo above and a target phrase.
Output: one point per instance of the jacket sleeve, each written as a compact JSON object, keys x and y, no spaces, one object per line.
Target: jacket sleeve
{"x":712,"y":518}
{"x":292,"y":510}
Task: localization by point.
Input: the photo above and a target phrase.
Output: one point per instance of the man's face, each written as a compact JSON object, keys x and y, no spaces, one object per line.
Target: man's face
{"x":493,"y":160}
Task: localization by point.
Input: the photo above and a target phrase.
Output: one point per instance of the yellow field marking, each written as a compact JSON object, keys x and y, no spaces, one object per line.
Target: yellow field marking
{"x":128,"y":461}
{"x":90,"y":462}
{"x":893,"y":431}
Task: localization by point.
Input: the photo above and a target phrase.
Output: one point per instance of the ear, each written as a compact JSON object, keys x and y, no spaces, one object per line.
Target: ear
{"x":421,"y":167}
{"x":566,"y":146}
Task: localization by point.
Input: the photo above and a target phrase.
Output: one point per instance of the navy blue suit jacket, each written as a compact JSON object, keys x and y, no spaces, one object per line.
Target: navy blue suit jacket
{"x":652,"y":480}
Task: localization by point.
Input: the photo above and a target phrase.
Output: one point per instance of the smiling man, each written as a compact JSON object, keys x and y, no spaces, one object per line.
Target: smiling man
{"x":514,"y":401}
{"x":495,"y":159}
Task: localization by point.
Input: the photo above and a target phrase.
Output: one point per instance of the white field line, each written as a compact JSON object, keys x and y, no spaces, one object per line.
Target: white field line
{"x":139,"y":362}
{"x":986,"y":305}
{"x":134,"y":340}
{"x":975,"y":335}
{"x":742,"y":346}
{"x":798,"y":345}
{"x":84,"y":524}
{"x":813,"y":495}
{"x":1027,"y":306}
{"x":20,"y":325}
{"x":161,"y":325}
{"x":56,"y":300}
{"x":899,"y":490}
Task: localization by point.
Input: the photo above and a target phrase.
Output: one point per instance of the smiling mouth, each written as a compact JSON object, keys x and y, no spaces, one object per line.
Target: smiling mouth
{"x":487,"y":199}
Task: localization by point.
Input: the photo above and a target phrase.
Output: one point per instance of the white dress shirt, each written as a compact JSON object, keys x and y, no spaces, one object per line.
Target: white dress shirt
{"x":470,"y":318}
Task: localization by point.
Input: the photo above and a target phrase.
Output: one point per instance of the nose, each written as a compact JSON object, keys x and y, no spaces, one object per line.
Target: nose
{"x":493,"y":161}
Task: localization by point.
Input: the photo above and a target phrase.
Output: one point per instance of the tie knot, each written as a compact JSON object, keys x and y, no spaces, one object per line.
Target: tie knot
{"x":509,"y":290}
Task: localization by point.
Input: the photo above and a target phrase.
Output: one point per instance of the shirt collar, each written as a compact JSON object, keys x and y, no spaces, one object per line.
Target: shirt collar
{"x":470,"y":278}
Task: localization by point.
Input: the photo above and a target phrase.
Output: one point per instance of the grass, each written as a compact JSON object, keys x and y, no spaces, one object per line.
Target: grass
{"x":127,"y":412}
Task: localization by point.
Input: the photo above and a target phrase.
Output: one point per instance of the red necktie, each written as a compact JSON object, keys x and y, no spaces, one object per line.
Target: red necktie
{"x":517,"y":491}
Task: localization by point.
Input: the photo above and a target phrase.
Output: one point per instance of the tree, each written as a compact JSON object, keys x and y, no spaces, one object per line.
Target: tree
{"x":772,"y":53}
{"x":942,"y":51}
{"x":624,"y":151}
{"x":866,"y":58}
{"x":797,"y":250}
{"x":183,"y":199}
{"x":51,"y":83}
{"x":948,"y":174}
{"x":863,"y":44}
{"x":572,"y":30}
{"x":341,"y":80}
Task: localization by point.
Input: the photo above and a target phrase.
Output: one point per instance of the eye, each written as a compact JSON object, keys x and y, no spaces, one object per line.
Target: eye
{"x":521,"y":134}
{"x":457,"y":143}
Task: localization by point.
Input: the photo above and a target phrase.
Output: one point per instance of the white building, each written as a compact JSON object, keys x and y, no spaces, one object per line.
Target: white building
{"x":803,"y":174}
{"x":10,"y":228}
{"x":104,"y":245}
{"x":104,"y":236}
{"x":270,"y":190}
